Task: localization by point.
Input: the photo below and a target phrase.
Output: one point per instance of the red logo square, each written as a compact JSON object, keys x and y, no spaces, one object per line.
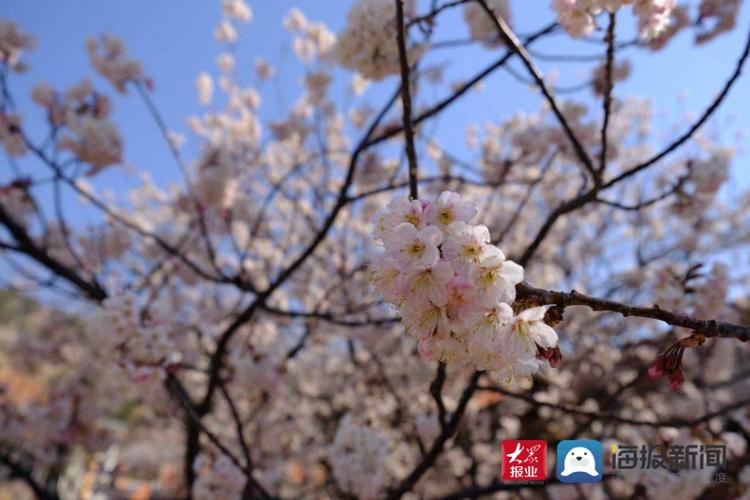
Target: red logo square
{"x":524,"y":459}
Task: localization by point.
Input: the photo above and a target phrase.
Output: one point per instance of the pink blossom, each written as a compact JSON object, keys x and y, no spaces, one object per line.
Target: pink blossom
{"x":412,"y":247}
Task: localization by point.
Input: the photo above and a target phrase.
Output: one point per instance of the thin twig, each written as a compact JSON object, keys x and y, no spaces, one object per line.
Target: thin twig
{"x":463,"y":89}
{"x":608,"y":86}
{"x":514,"y":43}
{"x":695,"y":126}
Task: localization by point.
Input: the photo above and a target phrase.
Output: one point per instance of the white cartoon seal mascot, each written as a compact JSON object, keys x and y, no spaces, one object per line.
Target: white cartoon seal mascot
{"x":579,"y":459}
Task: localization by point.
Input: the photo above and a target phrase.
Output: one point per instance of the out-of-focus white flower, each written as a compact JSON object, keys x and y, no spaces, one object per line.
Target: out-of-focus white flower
{"x":708,"y":175}
{"x":93,"y":141}
{"x":237,"y":9}
{"x":317,"y":83}
{"x":44,"y":95}
{"x":368,"y":42}
{"x":225,"y":32}
{"x":263,"y":70}
{"x":359,"y":84}
{"x":359,"y":457}
{"x":12,"y":44}
{"x":218,"y":478}
{"x":481,"y":26}
{"x":225,"y":62}
{"x":11,"y":135}
{"x":108,"y":57}
{"x":204,"y":85}
{"x":577,"y":16}
{"x":295,"y":20}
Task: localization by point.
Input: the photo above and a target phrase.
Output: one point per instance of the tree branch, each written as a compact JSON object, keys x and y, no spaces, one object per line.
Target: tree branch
{"x":709,"y":328}
{"x":440,"y":106}
{"x":27,"y":246}
{"x":608,"y":86}
{"x":436,"y":389}
{"x":23,"y":473}
{"x":245,"y":316}
{"x":593,"y":415}
{"x":438,"y":445}
{"x":695,"y":126}
{"x":411,"y":153}
{"x":514,"y":43}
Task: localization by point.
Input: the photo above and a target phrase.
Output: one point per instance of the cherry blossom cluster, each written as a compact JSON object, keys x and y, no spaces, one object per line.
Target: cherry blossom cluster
{"x":717,"y":16}
{"x":454,"y":289}
{"x":107,"y":55}
{"x":48,"y":420}
{"x":577,"y":16}
{"x":368,"y":42}
{"x":204,"y":86}
{"x":80,"y":112}
{"x":237,"y":9}
{"x":480,"y":24}
{"x":358,"y":457}
{"x":313,"y":39}
{"x":709,"y":174}
{"x":10,"y":134}
{"x":142,"y":344}
{"x":83,"y":115}
{"x":12,"y":44}
{"x":15,"y":198}
{"x":217,"y":478}
{"x":232,"y":10}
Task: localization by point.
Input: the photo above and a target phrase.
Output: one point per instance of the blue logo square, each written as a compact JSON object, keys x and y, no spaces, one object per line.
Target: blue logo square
{"x":579,"y":461}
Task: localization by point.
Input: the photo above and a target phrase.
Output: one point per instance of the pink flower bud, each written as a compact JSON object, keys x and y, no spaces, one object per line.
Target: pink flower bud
{"x":676,"y":379}
{"x":656,"y":370}
{"x":551,"y":354}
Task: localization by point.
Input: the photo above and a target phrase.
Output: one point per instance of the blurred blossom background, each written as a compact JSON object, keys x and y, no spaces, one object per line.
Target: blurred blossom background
{"x":204,"y":294}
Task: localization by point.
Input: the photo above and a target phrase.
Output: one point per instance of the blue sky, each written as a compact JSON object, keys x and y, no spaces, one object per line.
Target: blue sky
{"x":174,"y":40}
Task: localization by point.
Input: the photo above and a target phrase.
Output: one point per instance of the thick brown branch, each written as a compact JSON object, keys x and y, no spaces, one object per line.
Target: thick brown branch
{"x":709,"y":328}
